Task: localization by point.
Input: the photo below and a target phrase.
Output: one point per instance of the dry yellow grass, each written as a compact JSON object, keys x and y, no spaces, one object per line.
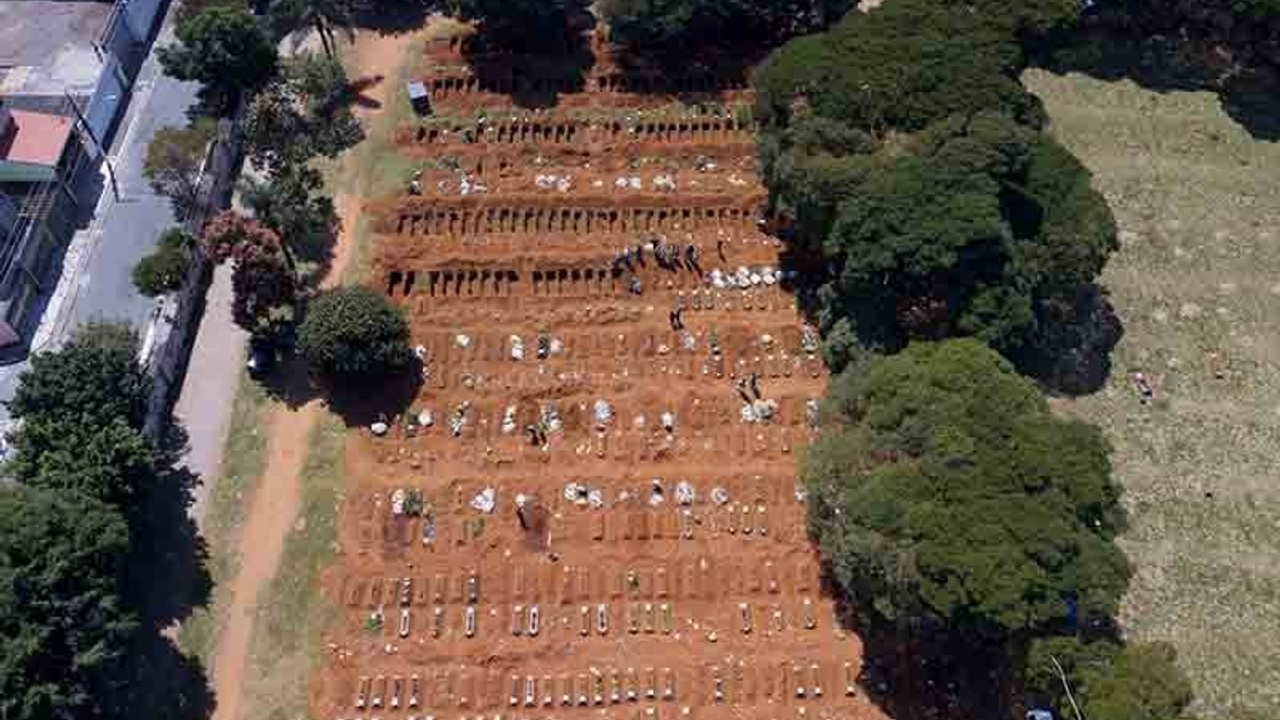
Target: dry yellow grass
{"x":1197,"y":284}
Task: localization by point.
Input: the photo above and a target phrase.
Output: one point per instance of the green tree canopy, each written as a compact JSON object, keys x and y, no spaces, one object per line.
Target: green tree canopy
{"x":947,"y":490}
{"x":900,"y":67}
{"x":677,"y":28}
{"x":80,"y":413}
{"x":354,"y":332}
{"x":227,"y":50}
{"x":293,"y":204}
{"x":908,"y":160}
{"x":174,"y":159}
{"x":113,"y":463}
{"x":63,"y":628}
{"x":975,"y":226}
{"x":94,"y":379}
{"x":1139,"y":681}
{"x":303,"y":114}
{"x":164,"y":269}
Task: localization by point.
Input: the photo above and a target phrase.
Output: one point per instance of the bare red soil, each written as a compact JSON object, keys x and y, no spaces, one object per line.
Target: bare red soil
{"x":618,"y":597}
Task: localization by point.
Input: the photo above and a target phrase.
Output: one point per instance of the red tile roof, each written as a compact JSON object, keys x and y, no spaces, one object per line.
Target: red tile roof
{"x":35,"y":138}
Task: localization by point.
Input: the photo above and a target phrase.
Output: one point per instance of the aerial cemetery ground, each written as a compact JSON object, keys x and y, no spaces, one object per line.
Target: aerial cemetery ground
{"x":590,"y":508}
{"x":1195,"y":282}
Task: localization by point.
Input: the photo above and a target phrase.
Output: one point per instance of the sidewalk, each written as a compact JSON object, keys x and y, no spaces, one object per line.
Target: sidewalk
{"x":206,"y":401}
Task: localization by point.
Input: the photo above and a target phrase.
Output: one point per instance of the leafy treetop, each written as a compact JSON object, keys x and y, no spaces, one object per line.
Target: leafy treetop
{"x":81,"y":411}
{"x":303,"y":114}
{"x":232,"y":236}
{"x":94,"y":379}
{"x":264,"y":284}
{"x":677,"y":28}
{"x":62,"y":623}
{"x":975,"y":226}
{"x":174,"y":160}
{"x":354,"y":332}
{"x":1118,"y":682}
{"x":163,"y":270}
{"x":900,"y":67}
{"x":227,"y":50}
{"x":948,"y":491}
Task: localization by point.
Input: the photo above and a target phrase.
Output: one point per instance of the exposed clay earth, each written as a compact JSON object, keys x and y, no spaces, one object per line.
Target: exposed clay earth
{"x":590,"y":508}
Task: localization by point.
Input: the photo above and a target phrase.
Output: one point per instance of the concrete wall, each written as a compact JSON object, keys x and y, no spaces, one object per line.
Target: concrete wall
{"x":175,"y":332}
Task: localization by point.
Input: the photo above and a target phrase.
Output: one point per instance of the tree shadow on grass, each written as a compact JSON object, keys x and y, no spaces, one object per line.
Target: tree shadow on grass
{"x":167,"y":578}
{"x":289,"y":380}
{"x":168,"y":573}
{"x":1071,"y":354}
{"x":163,"y":683}
{"x":359,"y":402}
{"x":1110,"y":49}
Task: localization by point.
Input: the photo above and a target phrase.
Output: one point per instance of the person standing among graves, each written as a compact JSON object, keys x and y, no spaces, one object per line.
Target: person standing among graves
{"x":691,"y":256}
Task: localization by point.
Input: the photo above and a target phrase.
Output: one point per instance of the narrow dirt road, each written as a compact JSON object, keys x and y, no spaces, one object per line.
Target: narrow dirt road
{"x":275,"y":505}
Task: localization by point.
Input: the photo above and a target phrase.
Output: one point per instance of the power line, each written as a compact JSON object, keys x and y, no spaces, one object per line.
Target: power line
{"x":1067,"y":686}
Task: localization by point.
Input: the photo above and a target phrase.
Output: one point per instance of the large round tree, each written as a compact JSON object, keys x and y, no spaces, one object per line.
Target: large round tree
{"x":225,"y":48}
{"x":908,"y":166}
{"x":63,"y":626}
{"x":80,"y":414}
{"x":947,"y":492}
{"x":354,"y":332}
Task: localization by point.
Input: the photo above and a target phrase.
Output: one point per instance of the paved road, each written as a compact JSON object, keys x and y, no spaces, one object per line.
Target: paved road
{"x":95,"y":282}
{"x":129,"y":228}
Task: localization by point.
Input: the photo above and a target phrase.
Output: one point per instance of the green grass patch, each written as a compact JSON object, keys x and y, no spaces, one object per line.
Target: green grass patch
{"x":230,"y":496}
{"x":293,"y":613}
{"x":1197,"y":285}
{"x":378,"y":169}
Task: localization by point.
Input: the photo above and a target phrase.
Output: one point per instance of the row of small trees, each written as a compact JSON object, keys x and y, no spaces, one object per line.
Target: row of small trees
{"x":913,"y":176}
{"x":297,"y":109}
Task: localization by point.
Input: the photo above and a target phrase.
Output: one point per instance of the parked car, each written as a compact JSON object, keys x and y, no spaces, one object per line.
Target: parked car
{"x":261,"y":357}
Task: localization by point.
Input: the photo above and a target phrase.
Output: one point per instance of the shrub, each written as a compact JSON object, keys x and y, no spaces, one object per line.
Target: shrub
{"x":354,"y":332}
{"x":164,"y":269}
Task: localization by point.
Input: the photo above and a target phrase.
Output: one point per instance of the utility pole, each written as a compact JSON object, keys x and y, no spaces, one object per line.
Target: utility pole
{"x":106,"y":159}
{"x":1066,"y":686}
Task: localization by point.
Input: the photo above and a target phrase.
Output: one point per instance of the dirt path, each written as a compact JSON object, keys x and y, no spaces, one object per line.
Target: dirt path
{"x":275,"y":505}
